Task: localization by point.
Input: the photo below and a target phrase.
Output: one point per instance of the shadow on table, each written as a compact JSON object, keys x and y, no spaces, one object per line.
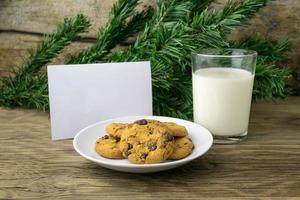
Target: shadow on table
{"x":197,"y":168}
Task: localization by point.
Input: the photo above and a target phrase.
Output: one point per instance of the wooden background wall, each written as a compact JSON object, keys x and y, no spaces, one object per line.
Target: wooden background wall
{"x":22,"y":23}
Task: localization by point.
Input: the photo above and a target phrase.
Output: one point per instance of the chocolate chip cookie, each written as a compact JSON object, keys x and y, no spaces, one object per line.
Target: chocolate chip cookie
{"x":146,"y":142}
{"x":108,"y":146}
{"x":182,"y":148}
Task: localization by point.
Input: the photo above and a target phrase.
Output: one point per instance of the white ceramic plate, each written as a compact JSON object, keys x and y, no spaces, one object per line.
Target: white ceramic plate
{"x":85,"y":140}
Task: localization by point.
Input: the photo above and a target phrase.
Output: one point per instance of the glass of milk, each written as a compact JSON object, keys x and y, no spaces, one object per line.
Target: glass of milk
{"x":222,"y":91}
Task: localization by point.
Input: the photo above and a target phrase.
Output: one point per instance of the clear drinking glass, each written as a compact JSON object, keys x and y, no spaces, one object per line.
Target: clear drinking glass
{"x":222,"y":91}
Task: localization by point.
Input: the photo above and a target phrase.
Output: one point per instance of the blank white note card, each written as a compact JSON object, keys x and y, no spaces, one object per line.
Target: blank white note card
{"x":81,"y":95}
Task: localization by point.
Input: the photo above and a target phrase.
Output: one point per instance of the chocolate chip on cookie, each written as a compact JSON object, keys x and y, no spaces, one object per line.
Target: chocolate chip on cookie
{"x":130,"y":146}
{"x":126,"y":154}
{"x":141,"y":122}
{"x":152,"y":147}
{"x":169,"y":137}
{"x":105,"y":137}
{"x":144,"y":156}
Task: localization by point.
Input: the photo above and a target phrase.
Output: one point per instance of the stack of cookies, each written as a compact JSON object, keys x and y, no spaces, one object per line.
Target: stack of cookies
{"x":145,"y":142}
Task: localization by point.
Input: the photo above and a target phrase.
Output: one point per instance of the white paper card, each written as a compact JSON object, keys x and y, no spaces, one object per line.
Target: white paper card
{"x":81,"y":95}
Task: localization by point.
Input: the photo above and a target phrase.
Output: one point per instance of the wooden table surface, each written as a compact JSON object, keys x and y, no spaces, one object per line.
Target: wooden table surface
{"x":266,"y":165}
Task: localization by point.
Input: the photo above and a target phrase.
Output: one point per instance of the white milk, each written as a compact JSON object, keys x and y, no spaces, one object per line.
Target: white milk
{"x":222,"y":99}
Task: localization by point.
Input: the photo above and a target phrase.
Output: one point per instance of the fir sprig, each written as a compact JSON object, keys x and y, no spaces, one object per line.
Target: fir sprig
{"x":234,"y":13}
{"x":52,"y":44}
{"x":23,"y":89}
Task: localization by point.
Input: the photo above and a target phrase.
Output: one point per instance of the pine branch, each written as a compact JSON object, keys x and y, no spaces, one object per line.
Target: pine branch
{"x":178,"y":101}
{"x":52,"y":44}
{"x":113,"y":32}
{"x":234,"y":13}
{"x":14,"y":91}
{"x":25,"y":92}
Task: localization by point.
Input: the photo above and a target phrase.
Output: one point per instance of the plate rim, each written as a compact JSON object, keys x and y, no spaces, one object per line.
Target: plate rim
{"x":132,"y":165}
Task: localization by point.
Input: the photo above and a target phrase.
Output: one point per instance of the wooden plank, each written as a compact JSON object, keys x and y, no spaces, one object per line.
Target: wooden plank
{"x":265,"y":166}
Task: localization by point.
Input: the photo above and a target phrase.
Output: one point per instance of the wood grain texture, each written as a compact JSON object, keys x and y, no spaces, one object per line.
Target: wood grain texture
{"x":265,"y":166}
